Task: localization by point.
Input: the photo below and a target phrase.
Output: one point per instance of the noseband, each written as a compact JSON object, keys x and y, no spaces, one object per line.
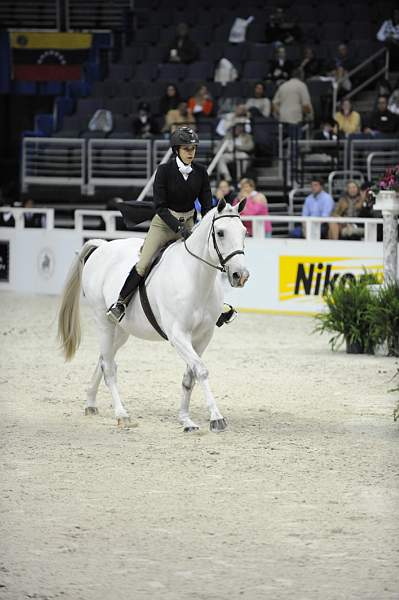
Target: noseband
{"x":222,"y":260}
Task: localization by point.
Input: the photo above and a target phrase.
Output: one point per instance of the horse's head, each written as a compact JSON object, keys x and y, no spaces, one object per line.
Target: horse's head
{"x":227,"y":241}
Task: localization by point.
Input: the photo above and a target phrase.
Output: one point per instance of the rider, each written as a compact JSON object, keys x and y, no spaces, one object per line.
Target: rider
{"x":178,"y":183}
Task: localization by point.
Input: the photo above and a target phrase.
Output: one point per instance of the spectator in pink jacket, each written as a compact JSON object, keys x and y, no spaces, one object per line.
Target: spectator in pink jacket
{"x":256,"y":205}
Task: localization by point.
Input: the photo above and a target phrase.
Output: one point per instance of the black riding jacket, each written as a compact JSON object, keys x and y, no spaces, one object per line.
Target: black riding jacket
{"x":172,"y":191}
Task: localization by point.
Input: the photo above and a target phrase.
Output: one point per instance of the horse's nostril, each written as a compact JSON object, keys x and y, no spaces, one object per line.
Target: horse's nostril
{"x":236,"y":275}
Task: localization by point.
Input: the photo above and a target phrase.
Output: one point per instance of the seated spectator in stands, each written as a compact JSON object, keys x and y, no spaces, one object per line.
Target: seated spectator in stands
{"x":318,"y":204}
{"x":182,"y":49}
{"x":393,"y":102}
{"x":280,"y":28}
{"x":382,"y":122}
{"x":33,"y":219}
{"x":349,"y":205}
{"x":240,"y":115}
{"x":280,"y":67}
{"x":6,"y":218}
{"x":224,"y":190}
{"x":347,"y":119}
{"x":340,"y":67}
{"x":291,"y":103}
{"x":256,"y":204}
{"x":310,"y":66}
{"x":327,"y":131}
{"x":259,"y":100}
{"x":144,"y":125}
{"x":178,"y":117}
{"x":240,"y":145}
{"x":201,"y":104}
{"x":170,"y":100}
{"x":389,"y":34}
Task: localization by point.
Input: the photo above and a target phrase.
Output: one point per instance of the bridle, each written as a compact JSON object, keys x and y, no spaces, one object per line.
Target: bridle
{"x":222,"y":260}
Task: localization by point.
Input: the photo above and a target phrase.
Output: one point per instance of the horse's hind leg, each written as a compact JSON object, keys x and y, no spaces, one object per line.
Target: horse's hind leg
{"x":187,"y":388}
{"x":111,"y":339}
{"x":120,"y":338}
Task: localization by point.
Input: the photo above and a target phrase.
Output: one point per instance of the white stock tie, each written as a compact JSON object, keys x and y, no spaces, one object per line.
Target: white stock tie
{"x":185,"y":170}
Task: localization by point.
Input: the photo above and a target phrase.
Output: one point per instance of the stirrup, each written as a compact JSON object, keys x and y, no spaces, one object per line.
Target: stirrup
{"x":227,"y":317}
{"x":116,"y":312}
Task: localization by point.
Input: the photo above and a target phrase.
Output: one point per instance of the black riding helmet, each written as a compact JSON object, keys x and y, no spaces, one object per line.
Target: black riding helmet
{"x":183,"y":136}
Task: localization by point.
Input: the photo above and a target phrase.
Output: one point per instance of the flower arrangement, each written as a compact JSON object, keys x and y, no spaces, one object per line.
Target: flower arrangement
{"x":390,"y":181}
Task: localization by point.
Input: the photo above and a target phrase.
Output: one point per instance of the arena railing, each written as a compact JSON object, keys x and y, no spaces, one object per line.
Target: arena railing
{"x":360,"y":149}
{"x":53,"y":161}
{"x":317,"y":158}
{"x":19,"y":214}
{"x":312,"y":224}
{"x":377,"y":162}
{"x":366,"y":63}
{"x":118,"y":163}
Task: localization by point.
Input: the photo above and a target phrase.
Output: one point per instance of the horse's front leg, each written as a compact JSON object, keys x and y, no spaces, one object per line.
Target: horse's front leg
{"x":183,"y":344}
{"x":187,"y":388}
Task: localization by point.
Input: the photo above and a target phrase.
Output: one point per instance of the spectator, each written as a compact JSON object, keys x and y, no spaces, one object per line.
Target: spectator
{"x":292,"y":103}
{"x":340,"y":67}
{"x":280,"y":67}
{"x":347,"y":119}
{"x":201,"y":104}
{"x":382,"y":121}
{"x":6,"y":218}
{"x":349,"y":205}
{"x":259,"y":100}
{"x":240,"y":115}
{"x":389,"y":34}
{"x":393,"y":102}
{"x":310,"y":66}
{"x":170,"y":100}
{"x":318,"y":204}
{"x":182,"y":49}
{"x":178,"y":117}
{"x":256,"y":204}
{"x":33,"y":219}
{"x":224,"y":190}
{"x":281,"y":29}
{"x":144,"y":125}
{"x":327,"y":131}
{"x":240,"y":144}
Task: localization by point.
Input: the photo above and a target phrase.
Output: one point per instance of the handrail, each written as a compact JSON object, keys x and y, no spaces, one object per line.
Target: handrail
{"x":368,"y":60}
{"x":217,"y":156}
{"x":382,"y":153}
{"x":149,"y":183}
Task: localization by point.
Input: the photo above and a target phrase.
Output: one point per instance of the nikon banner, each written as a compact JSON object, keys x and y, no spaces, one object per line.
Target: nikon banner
{"x":49,"y":56}
{"x":292,"y":276}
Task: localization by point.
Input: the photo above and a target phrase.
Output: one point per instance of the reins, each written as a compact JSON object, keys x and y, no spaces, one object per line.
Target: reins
{"x":222,"y":260}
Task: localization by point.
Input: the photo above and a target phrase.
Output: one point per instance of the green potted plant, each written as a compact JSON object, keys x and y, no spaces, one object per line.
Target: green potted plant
{"x":383,"y":315}
{"x":348,"y":314}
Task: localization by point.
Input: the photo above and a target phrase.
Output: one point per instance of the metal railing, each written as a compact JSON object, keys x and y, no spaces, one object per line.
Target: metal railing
{"x":377,"y":162}
{"x":95,"y":15}
{"x":28,"y":16}
{"x":337,"y":180}
{"x":19,"y":214}
{"x":376,"y":75}
{"x":53,"y":161}
{"x":361,"y":148}
{"x":118,"y":163}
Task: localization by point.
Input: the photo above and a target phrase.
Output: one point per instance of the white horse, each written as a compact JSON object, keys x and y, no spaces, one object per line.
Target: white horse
{"x":186,"y":296}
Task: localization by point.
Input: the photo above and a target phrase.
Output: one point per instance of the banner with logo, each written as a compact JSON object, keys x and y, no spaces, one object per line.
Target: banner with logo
{"x":48,"y":56}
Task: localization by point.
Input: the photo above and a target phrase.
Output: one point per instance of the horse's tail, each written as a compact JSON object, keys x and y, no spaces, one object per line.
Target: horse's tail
{"x":69,"y":332}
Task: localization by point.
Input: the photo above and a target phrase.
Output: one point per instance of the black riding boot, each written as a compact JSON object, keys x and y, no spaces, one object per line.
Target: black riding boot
{"x":116,"y":312}
{"x":228,"y":315}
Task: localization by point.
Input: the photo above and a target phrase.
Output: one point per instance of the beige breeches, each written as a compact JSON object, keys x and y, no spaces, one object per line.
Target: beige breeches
{"x":158,"y":235}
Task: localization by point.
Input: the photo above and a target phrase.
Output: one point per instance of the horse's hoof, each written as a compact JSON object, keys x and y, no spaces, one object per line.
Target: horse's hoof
{"x":91,"y":410}
{"x":218,"y":425}
{"x":188,"y":429}
{"x":125,"y":423}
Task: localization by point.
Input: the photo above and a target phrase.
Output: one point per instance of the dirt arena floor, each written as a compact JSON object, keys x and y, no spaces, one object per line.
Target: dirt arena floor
{"x":298,"y":499}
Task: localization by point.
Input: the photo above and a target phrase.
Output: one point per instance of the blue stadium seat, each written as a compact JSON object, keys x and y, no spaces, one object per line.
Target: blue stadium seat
{"x":172,"y":72}
{"x":200,"y":70}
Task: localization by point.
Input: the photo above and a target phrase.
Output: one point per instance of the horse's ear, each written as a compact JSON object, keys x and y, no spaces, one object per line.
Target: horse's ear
{"x":221,"y":204}
{"x":241,"y":205}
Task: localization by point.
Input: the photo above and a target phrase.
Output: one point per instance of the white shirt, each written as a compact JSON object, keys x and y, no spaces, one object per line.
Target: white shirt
{"x":185,"y":170}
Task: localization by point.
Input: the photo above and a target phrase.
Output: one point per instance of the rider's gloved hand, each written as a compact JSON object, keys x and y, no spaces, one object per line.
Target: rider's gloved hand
{"x":184,"y":231}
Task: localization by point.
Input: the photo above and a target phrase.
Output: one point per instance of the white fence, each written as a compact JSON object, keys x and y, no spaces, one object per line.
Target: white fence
{"x":287,"y":275}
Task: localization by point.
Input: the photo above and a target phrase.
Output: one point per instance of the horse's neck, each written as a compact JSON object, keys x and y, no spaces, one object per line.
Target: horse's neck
{"x":198,"y":244}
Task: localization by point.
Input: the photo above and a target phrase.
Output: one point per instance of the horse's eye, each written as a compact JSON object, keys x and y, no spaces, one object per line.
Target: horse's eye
{"x":220,"y":234}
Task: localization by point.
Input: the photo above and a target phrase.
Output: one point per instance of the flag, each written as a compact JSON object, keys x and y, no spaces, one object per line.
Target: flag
{"x":49,"y":56}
